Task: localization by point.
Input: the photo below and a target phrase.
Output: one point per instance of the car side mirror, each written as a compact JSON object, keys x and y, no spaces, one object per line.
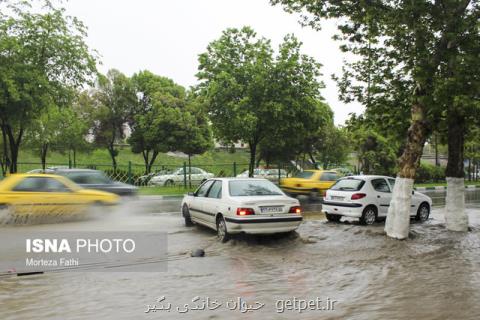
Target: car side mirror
{"x":413,"y":191}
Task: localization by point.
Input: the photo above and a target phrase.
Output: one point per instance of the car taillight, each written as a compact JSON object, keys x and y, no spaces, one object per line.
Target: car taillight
{"x":357,"y":196}
{"x":296,"y":209}
{"x":245,"y":211}
{"x":326,"y":193}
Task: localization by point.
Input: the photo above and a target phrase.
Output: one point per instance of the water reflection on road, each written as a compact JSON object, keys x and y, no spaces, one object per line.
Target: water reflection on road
{"x":434,"y":274}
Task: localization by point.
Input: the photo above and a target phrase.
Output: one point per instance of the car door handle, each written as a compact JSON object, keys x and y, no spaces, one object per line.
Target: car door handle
{"x":378,"y":197}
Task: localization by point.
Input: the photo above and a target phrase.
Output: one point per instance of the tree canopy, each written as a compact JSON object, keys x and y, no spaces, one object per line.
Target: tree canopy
{"x":254,"y":95}
{"x":43,"y":60}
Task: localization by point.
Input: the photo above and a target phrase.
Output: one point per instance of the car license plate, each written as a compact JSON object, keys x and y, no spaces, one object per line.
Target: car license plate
{"x":338,"y":198}
{"x":271,"y":209}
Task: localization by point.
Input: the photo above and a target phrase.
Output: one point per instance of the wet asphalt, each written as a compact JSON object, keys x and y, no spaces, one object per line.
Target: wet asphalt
{"x":435,"y":274}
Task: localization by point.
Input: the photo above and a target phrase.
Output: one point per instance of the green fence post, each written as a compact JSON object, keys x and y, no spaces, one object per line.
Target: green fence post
{"x":234,"y":169}
{"x":130,"y":172}
{"x":69,"y":163}
{"x":185,"y":175}
{"x":279,"y":174}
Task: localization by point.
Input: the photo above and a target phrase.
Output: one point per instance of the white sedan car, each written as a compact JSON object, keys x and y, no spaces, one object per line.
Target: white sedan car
{"x":368,"y":198}
{"x":236,"y":205}
{"x":196,"y":175}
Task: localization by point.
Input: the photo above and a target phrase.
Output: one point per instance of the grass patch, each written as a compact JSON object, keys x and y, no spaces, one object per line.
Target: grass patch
{"x":164,"y":191}
{"x":219,"y":162}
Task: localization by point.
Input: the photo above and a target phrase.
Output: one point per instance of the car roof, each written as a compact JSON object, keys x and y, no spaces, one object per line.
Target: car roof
{"x":367,"y":177}
{"x":239,"y":178}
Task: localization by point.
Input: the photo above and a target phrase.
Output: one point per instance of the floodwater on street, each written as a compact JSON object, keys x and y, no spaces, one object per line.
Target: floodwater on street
{"x":435,"y":274}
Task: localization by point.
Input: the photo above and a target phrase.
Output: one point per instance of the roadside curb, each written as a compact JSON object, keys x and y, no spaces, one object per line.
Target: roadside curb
{"x":444,"y":188}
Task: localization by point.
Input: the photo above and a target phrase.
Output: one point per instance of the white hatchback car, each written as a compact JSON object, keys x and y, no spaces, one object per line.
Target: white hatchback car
{"x":236,"y":205}
{"x":368,"y":198}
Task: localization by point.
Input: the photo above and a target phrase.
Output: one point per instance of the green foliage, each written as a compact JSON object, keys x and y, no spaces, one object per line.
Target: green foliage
{"x":43,"y":60}
{"x":429,"y":173}
{"x":333,"y":146}
{"x":414,"y":59}
{"x":114,"y":102}
{"x":376,"y":153}
{"x":254,"y":96}
{"x":166,"y":119}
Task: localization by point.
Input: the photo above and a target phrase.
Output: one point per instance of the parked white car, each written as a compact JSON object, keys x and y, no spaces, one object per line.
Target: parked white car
{"x":197,"y":176}
{"x":368,"y":198}
{"x":240,"y":205}
{"x":257,"y":173}
{"x":270,"y":174}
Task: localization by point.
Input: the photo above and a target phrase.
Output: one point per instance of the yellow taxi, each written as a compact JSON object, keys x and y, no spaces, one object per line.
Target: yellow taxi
{"x":313,"y":183}
{"x":48,"y":193}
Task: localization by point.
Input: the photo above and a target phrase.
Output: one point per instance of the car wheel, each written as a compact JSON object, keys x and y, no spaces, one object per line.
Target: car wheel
{"x":333,"y":217}
{"x":186,"y":216}
{"x":169,"y":183}
{"x":222,"y":232}
{"x":314,"y":194}
{"x":369,"y":215}
{"x":423,"y":212}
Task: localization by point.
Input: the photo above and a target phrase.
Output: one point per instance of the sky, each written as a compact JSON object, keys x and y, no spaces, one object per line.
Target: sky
{"x":166,"y":36}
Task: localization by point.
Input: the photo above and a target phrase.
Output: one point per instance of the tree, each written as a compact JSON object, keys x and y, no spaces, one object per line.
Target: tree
{"x":45,"y":131}
{"x":457,"y":86}
{"x":286,"y":142}
{"x":159,"y":121}
{"x":114,"y":101}
{"x":43,"y":59}
{"x":250,"y":93}
{"x":197,"y":133}
{"x":413,"y":39}
{"x":333,"y":146}
{"x":76,"y":123}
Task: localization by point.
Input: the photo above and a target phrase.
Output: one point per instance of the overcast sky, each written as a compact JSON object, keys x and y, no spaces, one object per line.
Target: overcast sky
{"x":166,"y":36}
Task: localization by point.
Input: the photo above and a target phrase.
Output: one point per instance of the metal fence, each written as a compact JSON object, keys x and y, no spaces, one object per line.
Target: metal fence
{"x":167,"y":175}
{"x":175,"y":175}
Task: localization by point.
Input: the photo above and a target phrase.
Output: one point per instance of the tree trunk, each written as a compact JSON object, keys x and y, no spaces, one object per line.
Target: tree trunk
{"x":14,"y":144}
{"x":455,"y":217}
{"x":253,"y":150}
{"x":398,"y":218}
{"x":74,"y":157}
{"x":111,"y":151}
{"x":5,"y":160}
{"x":437,"y":161}
{"x":146,"y":155}
{"x":43,"y":155}
{"x":312,"y":158}
{"x":152,"y":160}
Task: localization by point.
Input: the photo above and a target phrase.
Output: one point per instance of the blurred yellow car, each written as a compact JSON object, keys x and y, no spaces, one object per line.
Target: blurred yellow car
{"x":48,"y":193}
{"x":313,"y":183}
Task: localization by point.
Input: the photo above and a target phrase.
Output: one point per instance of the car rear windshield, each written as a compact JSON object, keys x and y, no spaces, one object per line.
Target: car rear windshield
{"x":242,"y":188}
{"x":304,"y":174}
{"x":348,"y":185}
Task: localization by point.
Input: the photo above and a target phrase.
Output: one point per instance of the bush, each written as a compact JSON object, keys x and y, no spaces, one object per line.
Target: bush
{"x":429,"y":173}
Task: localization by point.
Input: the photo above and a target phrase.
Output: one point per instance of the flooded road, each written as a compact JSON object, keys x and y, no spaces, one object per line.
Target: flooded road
{"x":433,"y":275}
